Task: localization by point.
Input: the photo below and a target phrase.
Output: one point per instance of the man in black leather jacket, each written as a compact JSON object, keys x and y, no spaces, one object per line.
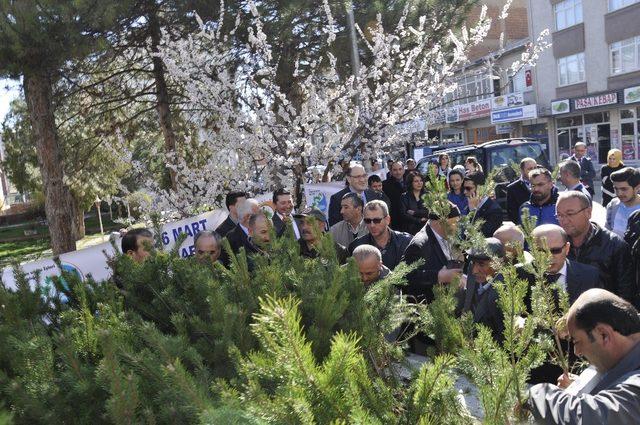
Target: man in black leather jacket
{"x":594,"y":245}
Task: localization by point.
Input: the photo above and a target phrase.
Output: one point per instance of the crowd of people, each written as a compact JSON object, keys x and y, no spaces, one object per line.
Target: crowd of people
{"x":381,"y":223}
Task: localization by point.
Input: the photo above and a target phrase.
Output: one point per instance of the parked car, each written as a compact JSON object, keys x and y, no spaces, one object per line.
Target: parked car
{"x":496,"y":155}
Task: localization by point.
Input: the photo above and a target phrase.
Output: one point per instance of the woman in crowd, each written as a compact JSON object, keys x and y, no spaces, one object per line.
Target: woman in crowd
{"x":472,"y":165}
{"x":444,"y":165}
{"x":414,"y":213}
{"x":456,"y":194}
{"x":614,"y":163}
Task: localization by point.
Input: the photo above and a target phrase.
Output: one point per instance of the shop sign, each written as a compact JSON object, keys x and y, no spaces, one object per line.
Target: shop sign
{"x":452,"y":114}
{"x":632,"y":94}
{"x":519,"y":113}
{"x":507,"y":101}
{"x":478,"y":109}
{"x":505,"y":128}
{"x":560,"y":107}
{"x":594,"y":101}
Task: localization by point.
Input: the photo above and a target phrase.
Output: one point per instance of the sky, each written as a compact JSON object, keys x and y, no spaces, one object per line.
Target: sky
{"x":9,"y":90}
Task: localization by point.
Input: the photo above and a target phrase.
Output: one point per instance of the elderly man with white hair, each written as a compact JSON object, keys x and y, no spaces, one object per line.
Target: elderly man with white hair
{"x":512,"y":239}
{"x":369,"y":261}
{"x":239,"y":236}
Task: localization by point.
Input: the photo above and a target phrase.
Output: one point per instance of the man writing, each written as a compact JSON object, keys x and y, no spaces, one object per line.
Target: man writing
{"x":390,"y":242}
{"x":519,"y":191}
{"x":605,"y":330}
{"x":357,"y":183}
{"x":352,"y":226}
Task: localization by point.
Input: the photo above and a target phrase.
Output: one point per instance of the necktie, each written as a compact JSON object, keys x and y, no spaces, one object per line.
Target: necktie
{"x":553,"y":278}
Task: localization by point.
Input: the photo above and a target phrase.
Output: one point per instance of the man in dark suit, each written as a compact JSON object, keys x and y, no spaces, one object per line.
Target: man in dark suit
{"x":357,"y":183}
{"x":231,"y":201}
{"x":394,"y":188}
{"x":587,"y":172}
{"x":283,"y":203}
{"x":239,"y":236}
{"x":519,"y":191}
{"x":431,"y":245}
{"x":478,"y":294}
{"x":482,"y":207}
{"x":574,"y":277}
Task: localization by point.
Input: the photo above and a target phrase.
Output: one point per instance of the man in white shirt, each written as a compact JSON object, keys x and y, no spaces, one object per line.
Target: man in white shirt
{"x":283,"y":202}
{"x":626,"y":184}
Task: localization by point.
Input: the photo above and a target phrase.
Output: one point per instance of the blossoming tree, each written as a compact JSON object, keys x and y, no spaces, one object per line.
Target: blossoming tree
{"x":250,"y":135}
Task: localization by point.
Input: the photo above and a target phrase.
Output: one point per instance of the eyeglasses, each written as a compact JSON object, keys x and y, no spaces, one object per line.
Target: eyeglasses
{"x":570,"y":215}
{"x":376,"y":220}
{"x":469,"y":188}
{"x":556,"y":251}
{"x":361,"y":176}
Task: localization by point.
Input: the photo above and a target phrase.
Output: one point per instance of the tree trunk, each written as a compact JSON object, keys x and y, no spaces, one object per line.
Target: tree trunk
{"x":37,"y":88}
{"x":163,"y":100}
{"x":78,"y":222}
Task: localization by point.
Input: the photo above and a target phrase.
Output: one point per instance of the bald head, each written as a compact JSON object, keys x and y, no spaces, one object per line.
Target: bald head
{"x":509,"y":232}
{"x":552,"y":231}
{"x":512,"y":239}
{"x":555,"y":239}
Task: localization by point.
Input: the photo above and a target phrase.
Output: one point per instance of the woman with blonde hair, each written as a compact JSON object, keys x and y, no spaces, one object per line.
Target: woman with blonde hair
{"x":614,"y":163}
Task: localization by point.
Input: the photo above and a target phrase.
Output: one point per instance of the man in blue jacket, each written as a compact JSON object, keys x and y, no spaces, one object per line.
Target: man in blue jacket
{"x":542,"y":204}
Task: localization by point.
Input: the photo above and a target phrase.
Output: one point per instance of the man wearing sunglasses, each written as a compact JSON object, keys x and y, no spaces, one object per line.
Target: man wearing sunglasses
{"x":357,"y":183}
{"x":596,"y":246}
{"x":391,"y":243}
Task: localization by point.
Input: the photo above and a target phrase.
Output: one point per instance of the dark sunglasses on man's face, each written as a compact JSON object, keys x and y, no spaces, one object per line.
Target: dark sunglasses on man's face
{"x":556,"y":251}
{"x":373,"y":220}
{"x":469,"y":188}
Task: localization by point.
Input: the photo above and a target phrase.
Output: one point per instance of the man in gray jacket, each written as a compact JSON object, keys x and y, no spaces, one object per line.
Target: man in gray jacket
{"x":605,"y":329}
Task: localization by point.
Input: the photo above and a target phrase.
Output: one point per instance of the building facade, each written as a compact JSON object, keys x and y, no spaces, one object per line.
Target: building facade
{"x":588,"y":83}
{"x":492,"y":101}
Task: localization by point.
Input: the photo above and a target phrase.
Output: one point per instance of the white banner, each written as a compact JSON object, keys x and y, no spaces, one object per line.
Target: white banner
{"x":318,"y":195}
{"x":93,"y":260}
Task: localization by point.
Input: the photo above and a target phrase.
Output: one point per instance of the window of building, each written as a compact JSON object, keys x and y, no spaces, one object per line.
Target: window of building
{"x":619,"y":4}
{"x":625,"y":55}
{"x":630,"y":133}
{"x":471,"y":88}
{"x":517,"y":82}
{"x":571,"y":69}
{"x":568,"y":13}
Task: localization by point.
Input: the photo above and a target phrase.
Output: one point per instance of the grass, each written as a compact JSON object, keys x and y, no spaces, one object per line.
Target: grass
{"x":34,"y":249}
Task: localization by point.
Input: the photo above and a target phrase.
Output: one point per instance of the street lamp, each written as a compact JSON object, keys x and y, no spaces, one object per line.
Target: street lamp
{"x":97,"y":202}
